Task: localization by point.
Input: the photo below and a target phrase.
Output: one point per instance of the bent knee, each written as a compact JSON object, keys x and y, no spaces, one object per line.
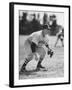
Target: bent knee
{"x":42,"y":52}
{"x":30,"y":57}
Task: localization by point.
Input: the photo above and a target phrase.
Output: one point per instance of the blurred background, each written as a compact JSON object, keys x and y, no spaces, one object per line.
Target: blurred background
{"x":31,"y":21}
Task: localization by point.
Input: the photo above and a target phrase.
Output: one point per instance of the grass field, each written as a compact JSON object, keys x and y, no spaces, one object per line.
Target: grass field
{"x":54,"y":66}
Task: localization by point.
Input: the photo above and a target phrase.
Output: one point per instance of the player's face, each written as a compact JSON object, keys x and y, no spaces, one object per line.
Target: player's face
{"x":45,"y":32}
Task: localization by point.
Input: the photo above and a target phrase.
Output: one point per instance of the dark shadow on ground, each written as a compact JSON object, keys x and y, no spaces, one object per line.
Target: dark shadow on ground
{"x":32,"y":72}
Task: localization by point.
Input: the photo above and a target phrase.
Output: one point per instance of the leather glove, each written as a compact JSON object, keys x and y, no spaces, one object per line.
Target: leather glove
{"x":50,"y":52}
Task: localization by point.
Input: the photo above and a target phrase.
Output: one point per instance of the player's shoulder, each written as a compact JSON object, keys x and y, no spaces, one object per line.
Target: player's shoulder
{"x":36,"y":33}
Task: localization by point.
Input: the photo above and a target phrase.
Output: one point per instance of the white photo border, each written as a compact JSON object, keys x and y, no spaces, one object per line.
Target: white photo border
{"x":42,"y":81}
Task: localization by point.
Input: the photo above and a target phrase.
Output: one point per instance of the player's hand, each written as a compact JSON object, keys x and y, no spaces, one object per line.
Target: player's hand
{"x":50,"y":52}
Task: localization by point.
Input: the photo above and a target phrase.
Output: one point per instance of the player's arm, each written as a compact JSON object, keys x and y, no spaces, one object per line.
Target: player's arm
{"x":45,"y":43}
{"x":50,"y":51}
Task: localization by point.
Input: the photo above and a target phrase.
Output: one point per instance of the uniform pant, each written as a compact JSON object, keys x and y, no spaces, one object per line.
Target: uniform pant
{"x":34,"y":49}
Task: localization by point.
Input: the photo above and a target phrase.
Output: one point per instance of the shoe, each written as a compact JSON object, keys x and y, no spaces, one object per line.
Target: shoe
{"x":39,"y":67}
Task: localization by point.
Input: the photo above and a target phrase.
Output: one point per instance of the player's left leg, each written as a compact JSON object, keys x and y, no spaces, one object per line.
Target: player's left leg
{"x":41,"y":51}
{"x":39,"y":66}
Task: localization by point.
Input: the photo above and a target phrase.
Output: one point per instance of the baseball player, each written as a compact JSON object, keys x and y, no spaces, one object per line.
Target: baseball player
{"x":60,"y":36}
{"x":35,"y":41}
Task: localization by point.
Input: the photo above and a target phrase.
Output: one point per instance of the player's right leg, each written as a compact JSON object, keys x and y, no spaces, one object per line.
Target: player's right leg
{"x":28,"y":59}
{"x":42,"y":54}
{"x":29,"y":55}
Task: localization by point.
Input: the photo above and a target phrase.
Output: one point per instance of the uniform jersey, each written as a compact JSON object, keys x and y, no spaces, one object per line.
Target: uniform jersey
{"x":37,"y":36}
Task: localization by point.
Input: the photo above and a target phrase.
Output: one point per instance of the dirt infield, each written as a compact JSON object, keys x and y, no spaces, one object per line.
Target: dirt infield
{"x":54,"y":66}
